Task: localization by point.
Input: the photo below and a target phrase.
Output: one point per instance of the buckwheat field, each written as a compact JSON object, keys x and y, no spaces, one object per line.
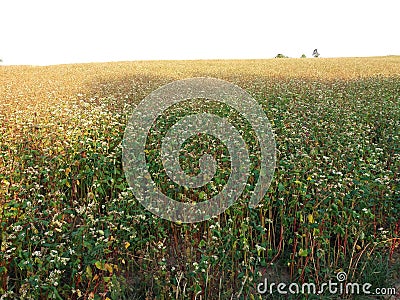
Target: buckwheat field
{"x":70,"y":227}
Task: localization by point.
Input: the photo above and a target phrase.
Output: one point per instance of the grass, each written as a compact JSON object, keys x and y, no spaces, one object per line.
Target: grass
{"x":71,"y":228}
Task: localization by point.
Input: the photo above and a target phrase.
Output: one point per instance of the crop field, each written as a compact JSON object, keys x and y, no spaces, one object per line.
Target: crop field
{"x":71,"y":228}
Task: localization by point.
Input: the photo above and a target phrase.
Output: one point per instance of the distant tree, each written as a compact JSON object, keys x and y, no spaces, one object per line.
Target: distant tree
{"x":303,"y":56}
{"x":315,"y":53}
{"x":280,"y":55}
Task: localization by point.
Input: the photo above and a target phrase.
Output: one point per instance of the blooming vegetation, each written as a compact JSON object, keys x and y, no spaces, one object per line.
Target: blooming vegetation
{"x":70,"y":227}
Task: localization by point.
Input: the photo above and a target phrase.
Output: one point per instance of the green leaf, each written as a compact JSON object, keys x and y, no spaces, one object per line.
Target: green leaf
{"x":303,"y":253}
{"x":202,"y":195}
{"x":99,"y":265}
{"x":89,"y":272}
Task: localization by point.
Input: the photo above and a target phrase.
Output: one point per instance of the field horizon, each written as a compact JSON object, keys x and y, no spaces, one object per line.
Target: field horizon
{"x":197,"y":60}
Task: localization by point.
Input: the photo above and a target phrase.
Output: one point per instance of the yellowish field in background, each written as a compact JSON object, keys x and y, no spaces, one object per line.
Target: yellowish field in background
{"x":30,"y":83}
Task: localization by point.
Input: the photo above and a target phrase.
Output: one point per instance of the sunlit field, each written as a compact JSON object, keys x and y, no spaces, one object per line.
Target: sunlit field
{"x":72,"y":229}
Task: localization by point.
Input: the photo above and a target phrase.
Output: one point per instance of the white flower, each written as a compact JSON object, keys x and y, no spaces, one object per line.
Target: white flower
{"x":17,"y":228}
{"x":259,"y":248}
{"x":196,"y":266}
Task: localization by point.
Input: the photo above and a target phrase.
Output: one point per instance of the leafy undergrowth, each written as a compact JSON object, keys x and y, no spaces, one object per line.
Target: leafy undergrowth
{"x":71,"y":228}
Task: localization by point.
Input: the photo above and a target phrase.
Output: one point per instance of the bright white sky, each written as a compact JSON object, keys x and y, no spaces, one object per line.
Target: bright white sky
{"x":53,"y":32}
